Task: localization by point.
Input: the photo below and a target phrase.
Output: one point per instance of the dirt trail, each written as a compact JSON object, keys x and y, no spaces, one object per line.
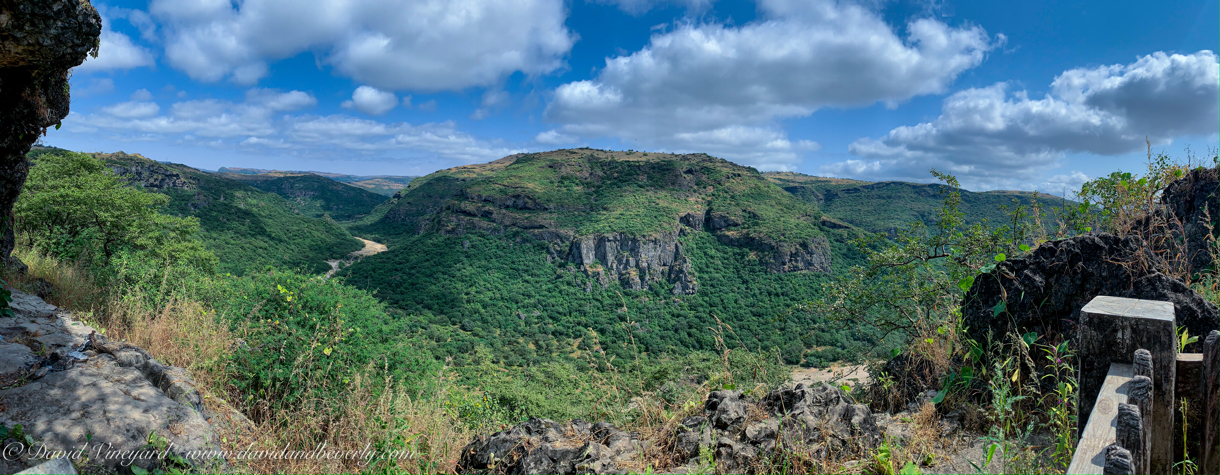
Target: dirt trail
{"x":369,"y":249}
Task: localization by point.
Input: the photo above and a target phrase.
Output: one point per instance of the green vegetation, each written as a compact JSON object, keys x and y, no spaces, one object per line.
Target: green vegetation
{"x":890,"y":206}
{"x":470,"y":322}
{"x":1021,"y":385}
{"x":247,"y":229}
{"x":500,"y":292}
{"x":384,"y":185}
{"x":316,"y":196}
{"x":469,"y":251}
{"x":73,"y":207}
{"x":583,"y":192}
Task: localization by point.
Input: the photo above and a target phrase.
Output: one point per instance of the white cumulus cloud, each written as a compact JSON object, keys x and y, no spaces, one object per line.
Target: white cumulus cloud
{"x":721,"y":89}
{"x":426,"y":45}
{"x":552,"y":137}
{"x":991,"y":137}
{"x":116,"y":51}
{"x":264,"y":121}
{"x":132,"y":109}
{"x":372,"y":101}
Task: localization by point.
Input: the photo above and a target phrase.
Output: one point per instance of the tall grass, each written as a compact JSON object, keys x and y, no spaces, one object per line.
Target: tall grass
{"x":73,"y":286}
{"x":178,"y":328}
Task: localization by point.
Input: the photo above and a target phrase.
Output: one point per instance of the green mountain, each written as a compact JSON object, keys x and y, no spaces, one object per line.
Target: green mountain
{"x":887,"y":206}
{"x":553,"y":255}
{"x":315,"y":196}
{"x":385,"y":185}
{"x":245,"y":227}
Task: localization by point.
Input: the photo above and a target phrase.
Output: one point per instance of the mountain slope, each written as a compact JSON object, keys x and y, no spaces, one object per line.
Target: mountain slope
{"x":315,"y":196}
{"x":385,"y":185}
{"x":247,"y":228}
{"x":887,"y":206}
{"x":554,"y":254}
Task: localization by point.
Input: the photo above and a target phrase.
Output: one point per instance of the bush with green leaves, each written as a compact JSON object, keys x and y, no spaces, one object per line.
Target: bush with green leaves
{"x":73,"y":207}
{"x":308,"y":337}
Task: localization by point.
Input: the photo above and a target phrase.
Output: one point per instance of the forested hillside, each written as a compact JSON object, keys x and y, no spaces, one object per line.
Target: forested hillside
{"x":315,"y":196}
{"x":891,"y":205}
{"x":385,"y":185}
{"x":543,"y":256}
{"x":245,"y":227}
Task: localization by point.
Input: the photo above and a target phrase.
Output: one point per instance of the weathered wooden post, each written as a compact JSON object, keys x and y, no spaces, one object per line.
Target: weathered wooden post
{"x":1118,"y":461}
{"x":1139,"y":393}
{"x":1111,"y":329}
{"x":1130,"y":434}
{"x":1211,"y":404}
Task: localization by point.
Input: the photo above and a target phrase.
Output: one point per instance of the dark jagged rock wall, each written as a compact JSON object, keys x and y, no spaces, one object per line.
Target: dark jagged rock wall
{"x":635,"y":261}
{"x":151,"y":175}
{"x":40,"y":40}
{"x":1192,"y":201}
{"x":744,"y":435}
{"x":1045,"y":290}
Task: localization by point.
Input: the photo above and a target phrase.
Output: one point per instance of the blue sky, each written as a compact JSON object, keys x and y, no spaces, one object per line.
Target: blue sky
{"x":1032,"y":95}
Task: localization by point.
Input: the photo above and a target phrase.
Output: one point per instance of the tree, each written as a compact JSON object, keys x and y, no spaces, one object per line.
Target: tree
{"x":72,"y":206}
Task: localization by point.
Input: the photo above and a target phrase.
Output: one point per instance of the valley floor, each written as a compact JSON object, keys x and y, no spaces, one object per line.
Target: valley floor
{"x":370,"y":248}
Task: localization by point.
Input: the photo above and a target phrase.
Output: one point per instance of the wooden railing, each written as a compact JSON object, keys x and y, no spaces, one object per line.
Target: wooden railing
{"x":1131,"y":377}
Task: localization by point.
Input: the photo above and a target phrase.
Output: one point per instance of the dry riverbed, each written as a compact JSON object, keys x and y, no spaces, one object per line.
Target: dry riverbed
{"x":369,"y":249}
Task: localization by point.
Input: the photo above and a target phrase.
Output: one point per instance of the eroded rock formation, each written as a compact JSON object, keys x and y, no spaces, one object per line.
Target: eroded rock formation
{"x":149,"y":174}
{"x":1044,"y":291}
{"x":1192,"y":201}
{"x":68,"y":386}
{"x":742,"y":436}
{"x":634,"y":261}
{"x":40,"y":40}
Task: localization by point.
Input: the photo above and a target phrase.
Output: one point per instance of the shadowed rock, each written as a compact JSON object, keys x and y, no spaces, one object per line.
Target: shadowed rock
{"x":1044,"y":291}
{"x":741,"y":435}
{"x":1192,"y":201}
{"x":40,"y":40}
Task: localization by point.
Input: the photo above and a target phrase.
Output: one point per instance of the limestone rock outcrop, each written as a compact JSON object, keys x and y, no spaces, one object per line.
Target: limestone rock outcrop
{"x":68,"y":386}
{"x":635,"y":261}
{"x":40,"y":41}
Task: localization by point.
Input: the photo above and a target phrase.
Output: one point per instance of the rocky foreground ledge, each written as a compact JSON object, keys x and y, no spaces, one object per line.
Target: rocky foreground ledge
{"x":69,"y":389}
{"x":741,"y":435}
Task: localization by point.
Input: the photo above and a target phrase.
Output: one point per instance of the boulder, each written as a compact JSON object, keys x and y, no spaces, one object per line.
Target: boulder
{"x":741,"y":434}
{"x":87,"y":390}
{"x":545,"y":446}
{"x":1045,"y":290}
{"x":1192,"y":202}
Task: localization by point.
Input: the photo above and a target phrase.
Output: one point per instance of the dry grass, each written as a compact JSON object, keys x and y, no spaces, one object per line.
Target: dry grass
{"x":418,"y":434}
{"x":72,"y":285}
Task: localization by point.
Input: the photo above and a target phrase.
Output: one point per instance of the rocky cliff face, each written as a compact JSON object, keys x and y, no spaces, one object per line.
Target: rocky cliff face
{"x":635,"y":261}
{"x":40,"y":41}
{"x":619,"y":216}
{"x":149,"y":174}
